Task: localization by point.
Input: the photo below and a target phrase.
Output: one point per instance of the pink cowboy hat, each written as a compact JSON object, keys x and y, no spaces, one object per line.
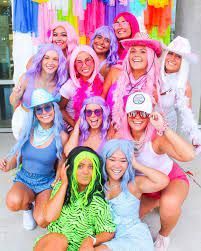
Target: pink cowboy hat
{"x":143,"y":40}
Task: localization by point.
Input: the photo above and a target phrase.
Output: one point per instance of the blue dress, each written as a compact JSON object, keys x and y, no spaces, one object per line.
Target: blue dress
{"x":131,"y":234}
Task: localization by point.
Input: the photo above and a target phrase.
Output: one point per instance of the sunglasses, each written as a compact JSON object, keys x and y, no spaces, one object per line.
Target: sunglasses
{"x":143,"y":115}
{"x":123,"y":24}
{"x":87,"y":61}
{"x":40,"y":109}
{"x":97,"y":112}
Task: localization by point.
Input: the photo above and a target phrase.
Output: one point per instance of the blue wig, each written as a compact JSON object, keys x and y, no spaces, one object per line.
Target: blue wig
{"x":127,"y":147}
{"x":84,"y":126}
{"x":112,"y":54}
{"x":27,"y":130}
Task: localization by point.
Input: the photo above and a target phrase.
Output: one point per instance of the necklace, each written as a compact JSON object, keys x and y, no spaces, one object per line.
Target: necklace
{"x":139,"y":145}
{"x":111,"y":187}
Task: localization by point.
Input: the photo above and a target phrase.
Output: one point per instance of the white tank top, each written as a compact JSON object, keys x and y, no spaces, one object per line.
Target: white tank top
{"x":160,"y":162}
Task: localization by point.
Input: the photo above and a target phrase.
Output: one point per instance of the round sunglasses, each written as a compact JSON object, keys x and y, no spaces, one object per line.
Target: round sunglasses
{"x":87,"y":61}
{"x":123,"y":24}
{"x":143,"y":115}
{"x":40,"y":109}
{"x":97,"y":112}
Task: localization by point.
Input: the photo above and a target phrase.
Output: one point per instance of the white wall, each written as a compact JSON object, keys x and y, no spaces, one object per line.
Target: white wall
{"x":188,"y":24}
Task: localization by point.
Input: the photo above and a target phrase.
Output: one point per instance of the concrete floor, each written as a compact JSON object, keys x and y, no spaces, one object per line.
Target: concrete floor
{"x":185,"y":237}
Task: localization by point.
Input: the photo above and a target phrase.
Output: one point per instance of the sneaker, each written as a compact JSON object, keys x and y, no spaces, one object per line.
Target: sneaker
{"x":28,"y":220}
{"x":161,"y":243}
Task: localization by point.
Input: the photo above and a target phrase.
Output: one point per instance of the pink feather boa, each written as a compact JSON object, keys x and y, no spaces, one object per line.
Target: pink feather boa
{"x":83,"y":92}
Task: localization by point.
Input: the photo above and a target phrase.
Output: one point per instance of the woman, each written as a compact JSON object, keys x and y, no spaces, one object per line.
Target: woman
{"x":63,"y":34}
{"x":79,"y":215}
{"x":84,"y":82}
{"x":47,"y":71}
{"x":91,"y":129}
{"x":123,"y":191}
{"x":160,"y":149}
{"x":125,"y":26}
{"x":37,"y":155}
{"x":140,"y":73}
{"x":105,"y":45}
{"x":176,"y":93}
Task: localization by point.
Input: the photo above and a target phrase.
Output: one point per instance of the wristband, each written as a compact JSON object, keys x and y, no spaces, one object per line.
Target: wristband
{"x":162,"y":130}
{"x":94,"y":239}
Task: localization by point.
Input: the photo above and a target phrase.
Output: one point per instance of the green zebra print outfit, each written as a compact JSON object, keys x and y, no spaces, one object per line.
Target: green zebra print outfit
{"x":78,"y":223}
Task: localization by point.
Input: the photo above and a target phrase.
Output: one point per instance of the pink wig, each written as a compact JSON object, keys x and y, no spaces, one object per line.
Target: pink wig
{"x":150,"y":83}
{"x":71,"y":34}
{"x":91,"y":52}
{"x":132,"y":20}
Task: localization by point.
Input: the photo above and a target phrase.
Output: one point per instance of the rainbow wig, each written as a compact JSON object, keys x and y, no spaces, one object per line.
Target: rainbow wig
{"x":94,"y":187}
{"x":71,"y":35}
{"x":107,"y":32}
{"x":125,"y":146}
{"x":84,"y":126}
{"x":27,"y":131}
{"x":150,"y":83}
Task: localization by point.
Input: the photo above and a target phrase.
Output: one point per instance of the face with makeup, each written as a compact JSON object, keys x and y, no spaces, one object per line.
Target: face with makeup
{"x":101,"y":44}
{"x":84,"y":64}
{"x":45,"y":114}
{"x":138,"y":58}
{"x":60,"y":37}
{"x":50,"y":62}
{"x":84,"y":173}
{"x":94,"y":115}
{"x":122,"y":28}
{"x":138,"y":121}
{"x":116,"y":165}
{"x":172,"y":62}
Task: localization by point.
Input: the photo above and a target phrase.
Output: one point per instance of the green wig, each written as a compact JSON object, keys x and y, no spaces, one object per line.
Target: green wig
{"x":95,"y":187}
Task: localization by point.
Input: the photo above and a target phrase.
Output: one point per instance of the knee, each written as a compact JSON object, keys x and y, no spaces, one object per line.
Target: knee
{"x":49,"y":241}
{"x":170,"y":205}
{"x":13,"y":202}
{"x":40,"y":220}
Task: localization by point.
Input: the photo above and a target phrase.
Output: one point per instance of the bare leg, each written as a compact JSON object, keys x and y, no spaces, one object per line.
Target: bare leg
{"x":52,"y":242}
{"x":172,"y":198}
{"x":19,"y":197}
{"x":102,"y":248}
{"x":147,"y":204}
{"x":40,"y":202}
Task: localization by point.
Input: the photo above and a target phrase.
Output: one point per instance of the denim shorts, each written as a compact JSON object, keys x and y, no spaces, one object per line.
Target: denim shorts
{"x":36,"y":182}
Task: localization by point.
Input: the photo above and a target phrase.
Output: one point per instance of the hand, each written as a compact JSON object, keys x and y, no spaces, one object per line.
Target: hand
{"x":87,"y":245}
{"x":4,"y":165}
{"x":157,"y":120}
{"x":17,"y":90}
{"x":57,"y":178}
{"x":111,"y":132}
{"x":63,"y":174}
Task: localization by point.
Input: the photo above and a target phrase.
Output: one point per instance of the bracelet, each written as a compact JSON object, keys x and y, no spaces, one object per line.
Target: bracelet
{"x":94,"y":239}
{"x":162,"y":130}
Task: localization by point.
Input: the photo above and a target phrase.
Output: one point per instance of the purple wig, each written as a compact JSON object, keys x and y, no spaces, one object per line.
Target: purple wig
{"x":84,"y":126}
{"x":35,"y":70}
{"x":112,"y":54}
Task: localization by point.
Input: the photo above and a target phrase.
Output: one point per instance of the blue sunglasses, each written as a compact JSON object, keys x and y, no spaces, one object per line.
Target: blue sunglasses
{"x":40,"y":109}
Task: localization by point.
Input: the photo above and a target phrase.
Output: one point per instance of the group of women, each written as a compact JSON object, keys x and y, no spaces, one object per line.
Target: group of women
{"x":96,"y":143}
